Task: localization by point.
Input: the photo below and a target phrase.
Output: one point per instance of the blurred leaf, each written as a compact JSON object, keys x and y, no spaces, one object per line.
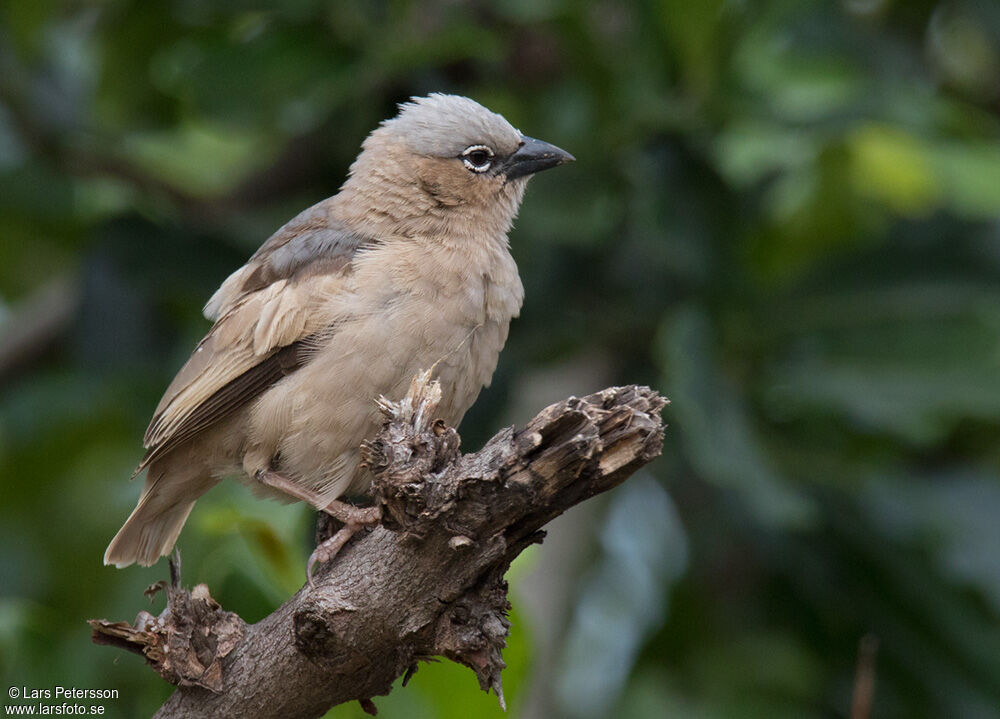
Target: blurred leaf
{"x":718,"y":435}
{"x":749,"y":152}
{"x":799,"y":78}
{"x":970,"y":172}
{"x":892,"y":166}
{"x":894,"y":363}
{"x":624,"y":597}
{"x":953,"y":515}
{"x":964,"y":51}
{"x":694,"y":29}
{"x":198,"y":159}
{"x":767,"y":675}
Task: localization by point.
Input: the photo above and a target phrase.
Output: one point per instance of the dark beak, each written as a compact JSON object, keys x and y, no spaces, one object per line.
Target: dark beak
{"x":534,"y":156}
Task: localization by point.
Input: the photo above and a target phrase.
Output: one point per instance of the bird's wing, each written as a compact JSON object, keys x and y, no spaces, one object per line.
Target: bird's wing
{"x":310,"y":242}
{"x":269,"y":316}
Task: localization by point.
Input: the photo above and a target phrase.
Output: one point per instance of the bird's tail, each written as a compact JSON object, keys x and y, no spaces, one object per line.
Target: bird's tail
{"x":152,"y":529}
{"x":148,"y":534}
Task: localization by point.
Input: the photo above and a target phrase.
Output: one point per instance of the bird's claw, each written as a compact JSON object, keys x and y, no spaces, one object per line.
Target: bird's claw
{"x":319,"y":555}
{"x":355,"y":519}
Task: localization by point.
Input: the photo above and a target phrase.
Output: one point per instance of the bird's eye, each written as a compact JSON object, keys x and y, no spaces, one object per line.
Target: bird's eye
{"x":477,"y":158}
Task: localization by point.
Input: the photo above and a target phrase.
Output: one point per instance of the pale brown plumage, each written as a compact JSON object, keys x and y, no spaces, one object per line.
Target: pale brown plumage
{"x":406,"y":268}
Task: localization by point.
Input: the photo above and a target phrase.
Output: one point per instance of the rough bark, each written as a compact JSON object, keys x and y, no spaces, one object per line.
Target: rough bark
{"x":427,"y":582}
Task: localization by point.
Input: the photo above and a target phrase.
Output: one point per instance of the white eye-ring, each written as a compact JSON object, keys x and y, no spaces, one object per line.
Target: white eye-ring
{"x":477,"y":158}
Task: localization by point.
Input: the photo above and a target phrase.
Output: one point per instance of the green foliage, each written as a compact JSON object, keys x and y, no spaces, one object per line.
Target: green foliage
{"x":784,"y":215}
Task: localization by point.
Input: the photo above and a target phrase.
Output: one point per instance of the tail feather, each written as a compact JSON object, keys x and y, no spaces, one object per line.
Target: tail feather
{"x":149,"y":533}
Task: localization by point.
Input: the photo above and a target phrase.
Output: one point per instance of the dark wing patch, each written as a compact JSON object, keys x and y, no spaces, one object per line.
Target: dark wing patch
{"x":310,"y":237}
{"x":311,"y":242}
{"x":233,"y":395}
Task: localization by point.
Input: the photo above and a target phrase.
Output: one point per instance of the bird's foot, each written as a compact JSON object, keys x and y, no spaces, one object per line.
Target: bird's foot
{"x":354,"y":519}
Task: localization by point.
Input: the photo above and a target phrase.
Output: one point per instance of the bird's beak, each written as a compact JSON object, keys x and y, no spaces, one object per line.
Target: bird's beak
{"x":534,"y":156}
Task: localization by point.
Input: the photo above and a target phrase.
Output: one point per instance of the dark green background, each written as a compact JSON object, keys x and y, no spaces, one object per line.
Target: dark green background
{"x":784,"y":216}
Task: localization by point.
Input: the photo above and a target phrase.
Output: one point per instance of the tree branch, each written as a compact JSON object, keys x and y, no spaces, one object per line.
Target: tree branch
{"x":427,"y":582}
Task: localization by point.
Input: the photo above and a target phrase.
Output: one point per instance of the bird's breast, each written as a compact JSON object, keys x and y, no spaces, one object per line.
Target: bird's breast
{"x":409,"y":310}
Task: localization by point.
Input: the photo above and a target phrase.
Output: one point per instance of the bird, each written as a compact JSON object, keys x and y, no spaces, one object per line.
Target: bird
{"x":407,"y":268}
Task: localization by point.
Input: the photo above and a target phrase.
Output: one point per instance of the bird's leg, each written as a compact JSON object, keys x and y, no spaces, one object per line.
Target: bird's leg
{"x":354,"y":518}
{"x":286,"y":486}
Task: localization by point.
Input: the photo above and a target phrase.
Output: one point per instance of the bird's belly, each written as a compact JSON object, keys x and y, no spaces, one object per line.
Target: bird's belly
{"x":312,"y":423}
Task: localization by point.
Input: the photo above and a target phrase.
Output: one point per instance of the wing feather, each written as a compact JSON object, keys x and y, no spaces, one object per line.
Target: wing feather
{"x":269,"y":316}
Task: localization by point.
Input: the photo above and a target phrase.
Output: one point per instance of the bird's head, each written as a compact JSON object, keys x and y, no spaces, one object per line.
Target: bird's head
{"x":446,"y":163}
